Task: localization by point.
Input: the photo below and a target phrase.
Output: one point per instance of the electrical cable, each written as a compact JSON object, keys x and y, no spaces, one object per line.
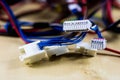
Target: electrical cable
{"x":59,"y":40}
{"x":22,"y":14}
{"x":63,"y":41}
{"x":84,"y":8}
{"x":13,"y":20}
{"x":36,"y":28}
{"x":112,"y":50}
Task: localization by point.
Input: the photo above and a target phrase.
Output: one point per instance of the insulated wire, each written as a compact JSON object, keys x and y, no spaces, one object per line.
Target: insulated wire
{"x":112,"y":50}
{"x":13,"y":20}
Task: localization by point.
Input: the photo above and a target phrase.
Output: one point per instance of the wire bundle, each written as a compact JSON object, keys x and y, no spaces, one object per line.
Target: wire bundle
{"x":29,"y":35}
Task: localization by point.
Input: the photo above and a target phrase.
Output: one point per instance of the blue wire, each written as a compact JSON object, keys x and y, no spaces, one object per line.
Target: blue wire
{"x":77,"y":13}
{"x":57,"y":29}
{"x":7,"y":25}
{"x":15,"y":21}
{"x":63,"y":41}
{"x":96,"y":29}
{"x":55,"y":41}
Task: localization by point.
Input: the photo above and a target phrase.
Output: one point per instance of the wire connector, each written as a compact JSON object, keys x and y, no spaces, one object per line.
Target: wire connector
{"x":56,"y":50}
{"x":98,"y":43}
{"x":77,"y":25}
{"x":31,"y":53}
{"x":84,"y":49}
{"x":83,"y":44}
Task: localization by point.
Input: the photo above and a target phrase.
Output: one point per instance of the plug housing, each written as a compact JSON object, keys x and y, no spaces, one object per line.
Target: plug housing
{"x":77,"y":25}
{"x":31,"y":53}
{"x":83,"y":44}
{"x":98,"y":43}
{"x":84,"y":49}
{"x":56,"y":50}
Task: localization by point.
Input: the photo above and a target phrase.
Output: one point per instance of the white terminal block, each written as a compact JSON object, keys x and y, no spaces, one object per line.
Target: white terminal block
{"x":98,"y":43}
{"x":83,"y":44}
{"x":31,"y":53}
{"x":77,"y":25}
{"x":56,"y":50}
{"x":85,"y":49}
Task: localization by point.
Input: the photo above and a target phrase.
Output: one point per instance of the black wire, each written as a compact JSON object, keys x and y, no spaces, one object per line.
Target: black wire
{"x":114,"y":27}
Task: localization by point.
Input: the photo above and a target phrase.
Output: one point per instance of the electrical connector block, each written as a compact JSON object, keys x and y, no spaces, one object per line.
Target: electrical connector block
{"x":56,"y":50}
{"x":83,"y":44}
{"x":84,"y":49}
{"x":77,"y":25}
{"x":98,"y":43}
{"x":31,"y":53}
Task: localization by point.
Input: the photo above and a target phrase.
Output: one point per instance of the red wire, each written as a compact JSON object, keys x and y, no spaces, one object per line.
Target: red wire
{"x":11,"y":20}
{"x":84,"y":8}
{"x":108,"y":14}
{"x":112,"y":50}
{"x":2,"y":31}
{"x":108,"y":11}
{"x":116,"y":4}
{"x":26,"y":12}
{"x":31,"y":30}
{"x":13,"y":24}
{"x":26,"y":30}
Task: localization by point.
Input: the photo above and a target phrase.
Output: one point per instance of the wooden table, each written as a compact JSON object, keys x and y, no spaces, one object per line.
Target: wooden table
{"x":101,"y":67}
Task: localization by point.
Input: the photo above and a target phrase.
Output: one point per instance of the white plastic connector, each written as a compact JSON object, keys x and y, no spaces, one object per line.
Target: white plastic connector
{"x":31,"y":53}
{"x":77,"y":25}
{"x":56,"y":50}
{"x":84,"y":49}
{"x":98,"y":44}
{"x":74,"y":6}
{"x":83,"y":44}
